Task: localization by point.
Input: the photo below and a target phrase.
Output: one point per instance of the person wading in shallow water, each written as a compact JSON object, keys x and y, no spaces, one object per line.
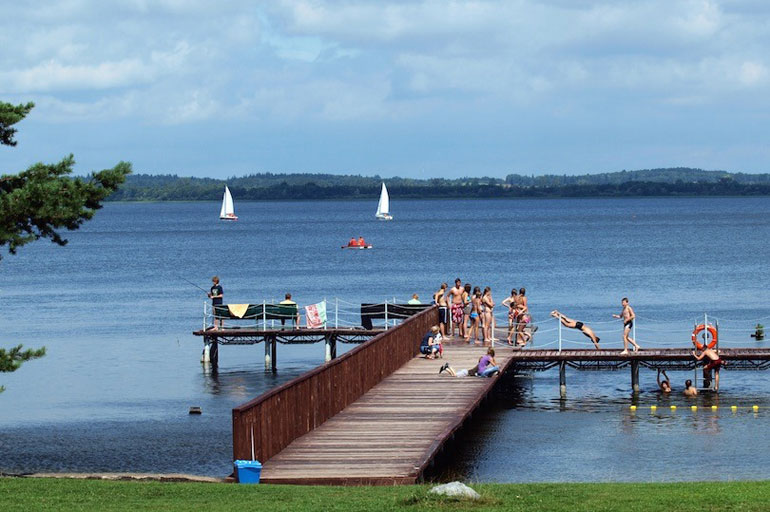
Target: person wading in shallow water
{"x":580,"y":326}
{"x":665,"y":384}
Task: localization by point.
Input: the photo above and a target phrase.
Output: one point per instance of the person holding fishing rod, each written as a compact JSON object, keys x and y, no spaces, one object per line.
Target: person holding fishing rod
{"x":215,"y":294}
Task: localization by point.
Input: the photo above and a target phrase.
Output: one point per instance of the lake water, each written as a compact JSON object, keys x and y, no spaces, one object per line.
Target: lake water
{"x":122,"y":367}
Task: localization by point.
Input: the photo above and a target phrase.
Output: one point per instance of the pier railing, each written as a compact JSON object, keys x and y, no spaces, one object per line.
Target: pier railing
{"x":267,"y":424}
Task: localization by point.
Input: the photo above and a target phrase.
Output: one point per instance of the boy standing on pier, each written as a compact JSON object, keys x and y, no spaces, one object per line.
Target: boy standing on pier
{"x":216,"y":294}
{"x":456,"y":294}
{"x":628,"y":316}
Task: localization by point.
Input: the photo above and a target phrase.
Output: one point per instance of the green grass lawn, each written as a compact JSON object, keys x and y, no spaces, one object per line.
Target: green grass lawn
{"x":65,"y":494}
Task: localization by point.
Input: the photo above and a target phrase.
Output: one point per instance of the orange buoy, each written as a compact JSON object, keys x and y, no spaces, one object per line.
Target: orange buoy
{"x":699,"y":329}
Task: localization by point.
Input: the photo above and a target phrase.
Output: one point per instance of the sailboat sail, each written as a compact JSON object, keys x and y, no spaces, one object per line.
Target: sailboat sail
{"x":228,"y":211}
{"x":383,"y":207}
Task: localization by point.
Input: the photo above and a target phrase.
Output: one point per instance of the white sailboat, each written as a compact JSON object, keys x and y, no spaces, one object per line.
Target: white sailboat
{"x":227,"y":212}
{"x":383,"y":207}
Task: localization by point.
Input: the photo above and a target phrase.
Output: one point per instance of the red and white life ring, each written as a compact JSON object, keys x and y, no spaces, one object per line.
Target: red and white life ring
{"x":699,"y":329}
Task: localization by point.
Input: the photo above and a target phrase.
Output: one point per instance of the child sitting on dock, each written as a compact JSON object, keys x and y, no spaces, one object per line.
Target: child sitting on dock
{"x":430,"y":346}
{"x":487,"y":364}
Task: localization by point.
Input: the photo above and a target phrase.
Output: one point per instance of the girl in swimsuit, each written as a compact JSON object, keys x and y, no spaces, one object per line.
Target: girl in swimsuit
{"x":466,"y":311}
{"x":475,"y":314}
{"x":510,"y":303}
{"x":489,"y":306}
{"x":523,"y":318}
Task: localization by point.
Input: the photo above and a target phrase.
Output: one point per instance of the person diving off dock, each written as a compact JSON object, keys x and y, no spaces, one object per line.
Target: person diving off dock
{"x":580,"y":326}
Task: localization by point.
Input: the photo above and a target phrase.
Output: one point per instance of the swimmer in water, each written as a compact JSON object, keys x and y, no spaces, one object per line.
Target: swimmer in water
{"x":665,"y":384}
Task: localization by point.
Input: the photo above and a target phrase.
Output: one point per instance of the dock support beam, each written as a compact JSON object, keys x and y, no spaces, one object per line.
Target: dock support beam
{"x":273,"y":343}
{"x":563,"y":379}
{"x":635,"y":376}
{"x":268,"y":359}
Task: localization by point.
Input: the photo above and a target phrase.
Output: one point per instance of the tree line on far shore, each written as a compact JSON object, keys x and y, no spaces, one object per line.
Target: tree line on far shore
{"x":268,"y":186}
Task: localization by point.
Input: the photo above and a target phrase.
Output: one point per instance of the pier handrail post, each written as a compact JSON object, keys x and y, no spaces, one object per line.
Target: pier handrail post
{"x":559,"y":319}
{"x":324,"y":313}
{"x":204,"y":315}
{"x":633,"y":328}
{"x":386,"y":313}
{"x":264,"y":315}
{"x":336,"y":311}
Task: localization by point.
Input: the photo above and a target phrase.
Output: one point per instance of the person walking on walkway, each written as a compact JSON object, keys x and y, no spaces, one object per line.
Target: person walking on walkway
{"x":628,"y":316}
{"x":580,"y":326}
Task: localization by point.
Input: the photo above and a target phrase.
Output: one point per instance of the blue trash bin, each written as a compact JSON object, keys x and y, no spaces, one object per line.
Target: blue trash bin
{"x":247,"y":471}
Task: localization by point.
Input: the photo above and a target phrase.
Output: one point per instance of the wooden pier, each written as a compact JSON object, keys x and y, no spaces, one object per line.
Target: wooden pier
{"x":392,"y":433}
{"x":379,"y":415}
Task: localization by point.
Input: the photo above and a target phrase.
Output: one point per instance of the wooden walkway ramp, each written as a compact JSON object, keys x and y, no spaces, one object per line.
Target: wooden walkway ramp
{"x":391,"y":434}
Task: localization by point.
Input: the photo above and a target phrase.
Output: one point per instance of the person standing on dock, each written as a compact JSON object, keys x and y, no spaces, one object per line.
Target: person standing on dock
{"x":439,"y":298}
{"x":216,"y":295}
{"x":456,"y":295}
{"x":628,"y":316}
{"x":513,"y":313}
{"x":580,"y":326}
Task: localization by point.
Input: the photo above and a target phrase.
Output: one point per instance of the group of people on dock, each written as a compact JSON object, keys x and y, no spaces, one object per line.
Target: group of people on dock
{"x":465,"y":310}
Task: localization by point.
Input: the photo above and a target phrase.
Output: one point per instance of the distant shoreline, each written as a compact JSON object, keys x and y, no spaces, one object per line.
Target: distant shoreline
{"x":676,"y":182}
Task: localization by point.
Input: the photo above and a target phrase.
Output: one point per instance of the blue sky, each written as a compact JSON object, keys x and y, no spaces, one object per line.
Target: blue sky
{"x":411,"y":88}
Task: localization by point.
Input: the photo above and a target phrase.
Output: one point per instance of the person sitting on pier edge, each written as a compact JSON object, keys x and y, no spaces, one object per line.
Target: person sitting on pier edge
{"x":216,"y":295}
{"x":689,"y":390}
{"x":429,"y":347}
{"x":580,"y":326}
{"x":288,"y":302}
{"x":715,"y":363}
{"x":487,"y":364}
{"x":415,"y":300}
{"x":664,"y":385}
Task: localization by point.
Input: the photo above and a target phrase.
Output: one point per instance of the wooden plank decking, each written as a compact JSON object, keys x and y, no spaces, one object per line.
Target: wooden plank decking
{"x":390,"y":434}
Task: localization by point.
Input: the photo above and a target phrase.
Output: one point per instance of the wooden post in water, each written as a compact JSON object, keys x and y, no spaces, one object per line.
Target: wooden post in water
{"x":328,"y":345}
{"x":563,"y":379}
{"x":267,"y":352}
{"x":273,"y":343}
{"x":635,"y":376}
